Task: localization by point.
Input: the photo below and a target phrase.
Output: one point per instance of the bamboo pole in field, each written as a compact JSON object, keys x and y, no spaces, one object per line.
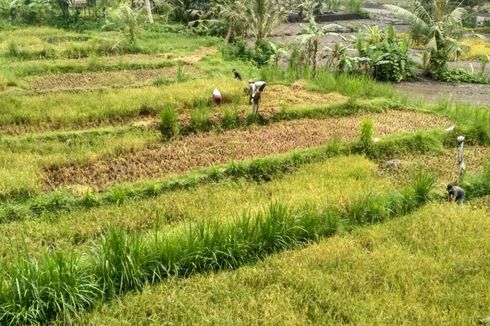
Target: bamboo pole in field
{"x":461,"y":165}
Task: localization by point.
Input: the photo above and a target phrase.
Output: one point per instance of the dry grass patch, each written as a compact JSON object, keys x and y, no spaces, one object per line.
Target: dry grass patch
{"x":443,"y":164}
{"x":213,"y":148}
{"x":94,"y":80}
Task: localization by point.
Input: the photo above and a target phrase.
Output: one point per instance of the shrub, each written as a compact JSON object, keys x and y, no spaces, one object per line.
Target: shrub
{"x":459,"y":75}
{"x":169,"y":123}
{"x":381,"y":54}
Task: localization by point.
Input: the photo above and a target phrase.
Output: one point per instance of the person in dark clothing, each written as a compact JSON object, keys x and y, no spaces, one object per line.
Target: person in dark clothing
{"x":237,"y":74}
{"x":455,"y":194}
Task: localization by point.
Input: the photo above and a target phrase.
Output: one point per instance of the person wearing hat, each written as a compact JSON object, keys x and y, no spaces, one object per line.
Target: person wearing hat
{"x":255,"y":89}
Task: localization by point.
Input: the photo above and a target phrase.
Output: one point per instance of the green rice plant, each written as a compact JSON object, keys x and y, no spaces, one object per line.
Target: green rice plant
{"x":350,"y":85}
{"x":422,"y":184}
{"x":169,"y":123}
{"x":120,"y":261}
{"x":370,"y":208}
{"x":200,"y":119}
{"x":366,"y":137}
{"x":90,"y":200}
{"x":57,"y":286}
{"x":419,"y":142}
{"x":353,"y":5}
{"x":230,"y":119}
{"x":161,"y":81}
{"x":14,"y":51}
{"x":473,"y":122}
{"x":478,"y":185}
{"x":181,"y":76}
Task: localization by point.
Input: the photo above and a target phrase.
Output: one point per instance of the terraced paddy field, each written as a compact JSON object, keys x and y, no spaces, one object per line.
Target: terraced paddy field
{"x":128,"y":197}
{"x":398,"y":272}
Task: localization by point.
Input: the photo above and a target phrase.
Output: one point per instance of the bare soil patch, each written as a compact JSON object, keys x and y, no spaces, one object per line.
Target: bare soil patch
{"x":433,"y":91}
{"x":202,"y":150}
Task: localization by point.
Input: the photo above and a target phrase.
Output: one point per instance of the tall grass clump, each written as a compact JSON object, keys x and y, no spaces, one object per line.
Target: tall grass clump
{"x":119,"y":262}
{"x":230,"y":119}
{"x":57,"y":286}
{"x":200,"y":119}
{"x":366,"y":137}
{"x":169,"y":123}
{"x":422,"y":184}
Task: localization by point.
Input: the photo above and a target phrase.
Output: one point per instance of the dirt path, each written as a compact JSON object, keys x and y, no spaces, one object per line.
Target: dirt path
{"x":202,"y":150}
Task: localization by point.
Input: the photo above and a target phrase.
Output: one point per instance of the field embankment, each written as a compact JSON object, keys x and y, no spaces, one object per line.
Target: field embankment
{"x":197,"y":151}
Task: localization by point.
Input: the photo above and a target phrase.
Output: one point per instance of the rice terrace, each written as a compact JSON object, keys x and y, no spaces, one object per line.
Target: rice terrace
{"x":244,"y":162}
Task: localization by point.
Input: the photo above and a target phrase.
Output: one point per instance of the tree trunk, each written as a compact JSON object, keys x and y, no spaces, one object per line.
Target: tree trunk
{"x":229,"y":33}
{"x":148,"y":10}
{"x":315,"y":52}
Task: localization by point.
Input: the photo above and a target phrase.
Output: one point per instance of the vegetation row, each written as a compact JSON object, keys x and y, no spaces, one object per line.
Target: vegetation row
{"x":262,"y":169}
{"x":62,"y":285}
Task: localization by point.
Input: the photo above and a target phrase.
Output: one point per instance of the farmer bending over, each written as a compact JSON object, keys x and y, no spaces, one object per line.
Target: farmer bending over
{"x":455,"y":193}
{"x":255,"y":89}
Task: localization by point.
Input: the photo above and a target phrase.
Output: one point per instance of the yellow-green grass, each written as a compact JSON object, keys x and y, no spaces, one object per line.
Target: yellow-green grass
{"x":68,"y":110}
{"x":477,"y":49}
{"x":34,"y":43}
{"x":22,"y":158}
{"x":338,"y":182}
{"x":429,"y":268}
{"x":443,"y":164}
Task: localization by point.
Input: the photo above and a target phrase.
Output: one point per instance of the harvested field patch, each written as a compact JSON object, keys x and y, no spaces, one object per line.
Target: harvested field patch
{"x":444,"y":164}
{"x":277,"y":96}
{"x":94,"y":80}
{"x":209,"y":149}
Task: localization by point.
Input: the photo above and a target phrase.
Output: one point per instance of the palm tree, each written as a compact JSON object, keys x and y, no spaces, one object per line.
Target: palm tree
{"x":128,"y":18}
{"x":313,"y":34}
{"x":258,"y":18}
{"x":437,"y":25}
{"x":148,"y":11}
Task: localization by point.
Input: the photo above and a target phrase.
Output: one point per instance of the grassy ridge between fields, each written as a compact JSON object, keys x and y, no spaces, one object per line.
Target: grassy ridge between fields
{"x":338,"y":180}
{"x":261,"y":169}
{"x":415,"y":270}
{"x":21,"y":176}
{"x":62,"y":284}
